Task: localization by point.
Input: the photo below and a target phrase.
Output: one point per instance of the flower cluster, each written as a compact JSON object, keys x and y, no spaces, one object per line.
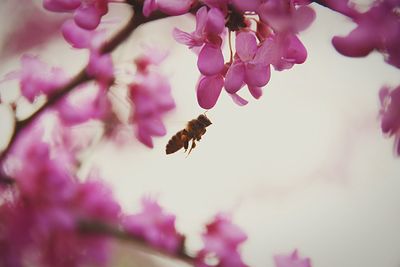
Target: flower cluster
{"x":155,"y":226}
{"x":377,"y":29}
{"x":271,"y":41}
{"x":221,"y":243}
{"x":390,"y":114}
{"x":40,"y":219}
{"x":150,"y":94}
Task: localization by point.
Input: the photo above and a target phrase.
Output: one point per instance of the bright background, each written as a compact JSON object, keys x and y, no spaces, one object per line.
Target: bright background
{"x":305,"y":167}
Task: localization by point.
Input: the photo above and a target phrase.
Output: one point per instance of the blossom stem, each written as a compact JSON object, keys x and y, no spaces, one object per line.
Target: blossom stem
{"x":230,"y":47}
{"x":100,"y":228}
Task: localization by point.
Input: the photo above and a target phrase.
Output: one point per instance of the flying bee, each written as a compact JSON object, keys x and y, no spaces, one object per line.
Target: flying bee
{"x":194,"y":130}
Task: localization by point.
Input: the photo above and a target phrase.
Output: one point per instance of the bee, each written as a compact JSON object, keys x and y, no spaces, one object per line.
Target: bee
{"x":194,"y":130}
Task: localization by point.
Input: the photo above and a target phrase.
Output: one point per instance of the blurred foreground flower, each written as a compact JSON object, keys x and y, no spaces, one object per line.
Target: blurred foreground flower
{"x":291,"y":260}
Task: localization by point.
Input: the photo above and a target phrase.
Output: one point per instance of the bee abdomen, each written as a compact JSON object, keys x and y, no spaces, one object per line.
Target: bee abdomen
{"x":175,"y":143}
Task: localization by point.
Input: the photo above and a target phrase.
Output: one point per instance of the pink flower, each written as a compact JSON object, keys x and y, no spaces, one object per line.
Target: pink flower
{"x":152,"y":98}
{"x":221,"y":240}
{"x":209,"y":28}
{"x":87,"y":14}
{"x":283,"y":51}
{"x":377,"y":29}
{"x":286,"y":16}
{"x":390,"y":114}
{"x":83,"y":106}
{"x":155,"y":226}
{"x":249,"y":67}
{"x":36,"y":78}
{"x":40,"y":222}
{"x":169,"y":7}
{"x":291,"y":260}
{"x":100,"y":65}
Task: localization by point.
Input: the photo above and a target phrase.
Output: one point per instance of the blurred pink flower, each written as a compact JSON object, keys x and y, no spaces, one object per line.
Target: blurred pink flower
{"x":100,"y":65}
{"x":390,"y":114}
{"x":377,"y":29}
{"x":87,"y":14}
{"x":40,"y":222}
{"x":291,"y":260}
{"x":151,"y":98}
{"x":155,"y":226}
{"x":36,"y":78}
{"x":169,"y":7}
{"x":221,"y":240}
{"x":81,"y":107}
{"x":286,"y":16}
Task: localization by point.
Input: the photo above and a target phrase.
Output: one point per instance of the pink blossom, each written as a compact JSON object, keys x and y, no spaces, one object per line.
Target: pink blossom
{"x":36,"y":78}
{"x":151,"y":97}
{"x":169,"y":7}
{"x":155,"y":226}
{"x":377,"y":29}
{"x":286,"y":16}
{"x":40,"y":223}
{"x":100,"y":65}
{"x":283,"y":50}
{"x":390,"y":114}
{"x":221,"y":240}
{"x":87,"y":14}
{"x":83,"y":106}
{"x":291,"y":260}
{"x":249,"y":67}
{"x":209,"y":28}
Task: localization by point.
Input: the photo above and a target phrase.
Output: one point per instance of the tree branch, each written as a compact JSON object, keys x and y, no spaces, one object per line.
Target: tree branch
{"x":100,"y":228}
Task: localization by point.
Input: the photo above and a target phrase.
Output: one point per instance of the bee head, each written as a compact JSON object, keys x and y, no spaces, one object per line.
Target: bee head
{"x":204,"y":120}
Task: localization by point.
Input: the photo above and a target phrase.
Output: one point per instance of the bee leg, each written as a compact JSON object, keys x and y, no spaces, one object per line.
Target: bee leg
{"x":193,"y":146}
{"x":186,"y":144}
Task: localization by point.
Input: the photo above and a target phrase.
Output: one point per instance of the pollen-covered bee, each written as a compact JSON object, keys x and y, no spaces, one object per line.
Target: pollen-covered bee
{"x":194,"y":130}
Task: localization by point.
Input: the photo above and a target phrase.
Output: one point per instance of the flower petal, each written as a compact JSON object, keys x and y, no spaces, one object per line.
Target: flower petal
{"x":208,"y":90}
{"x":303,"y":17}
{"x":295,"y":51}
{"x":239,"y":100}
{"x":246,"y":5}
{"x":61,"y":5}
{"x":174,"y":7}
{"x":246,"y":46}
{"x":76,"y":36}
{"x":257,"y":74}
{"x":211,"y":60}
{"x":234,"y":77}
{"x":215,"y":21}
{"x":148,"y":7}
{"x":87,"y":17}
{"x":255,"y":91}
{"x":358,"y":43}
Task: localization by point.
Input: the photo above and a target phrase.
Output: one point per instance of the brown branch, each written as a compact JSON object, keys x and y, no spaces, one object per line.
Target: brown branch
{"x":100,"y":228}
